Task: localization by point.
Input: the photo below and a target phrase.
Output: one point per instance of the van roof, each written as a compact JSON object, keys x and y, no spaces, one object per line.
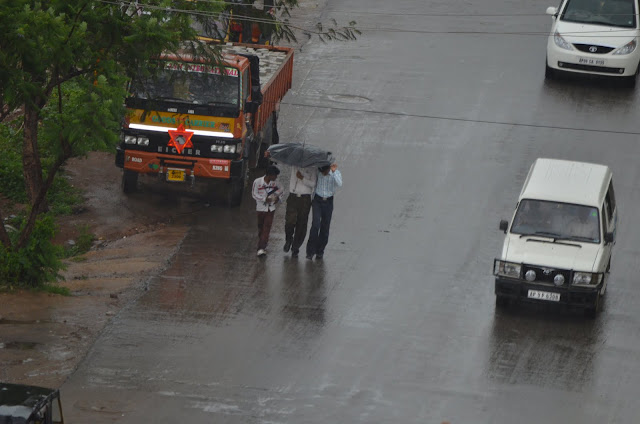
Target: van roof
{"x":567,"y":181}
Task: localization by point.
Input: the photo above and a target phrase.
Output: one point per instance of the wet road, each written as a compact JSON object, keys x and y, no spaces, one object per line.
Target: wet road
{"x":435,"y":121}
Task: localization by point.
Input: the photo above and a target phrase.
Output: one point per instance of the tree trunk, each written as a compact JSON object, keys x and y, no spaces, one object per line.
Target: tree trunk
{"x":31,"y":165}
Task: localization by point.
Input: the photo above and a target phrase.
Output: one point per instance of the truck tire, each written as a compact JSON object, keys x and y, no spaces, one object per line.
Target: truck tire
{"x":234,"y":191}
{"x":129,"y":181}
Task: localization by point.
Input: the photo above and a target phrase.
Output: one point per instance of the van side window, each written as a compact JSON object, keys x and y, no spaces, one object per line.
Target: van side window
{"x":610,"y":200}
{"x":605,"y":218}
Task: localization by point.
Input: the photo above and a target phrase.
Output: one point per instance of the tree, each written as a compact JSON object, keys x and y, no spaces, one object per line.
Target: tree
{"x":64,"y":65}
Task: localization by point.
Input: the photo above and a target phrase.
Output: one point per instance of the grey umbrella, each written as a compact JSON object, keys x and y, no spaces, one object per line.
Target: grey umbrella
{"x":300,"y":155}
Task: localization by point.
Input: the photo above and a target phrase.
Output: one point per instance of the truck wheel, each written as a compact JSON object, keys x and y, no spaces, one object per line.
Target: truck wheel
{"x":592,"y":311}
{"x":234,"y":192}
{"x":129,"y":181}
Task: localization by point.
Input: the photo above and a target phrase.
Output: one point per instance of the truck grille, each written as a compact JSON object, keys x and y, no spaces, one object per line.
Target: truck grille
{"x":546,"y":275}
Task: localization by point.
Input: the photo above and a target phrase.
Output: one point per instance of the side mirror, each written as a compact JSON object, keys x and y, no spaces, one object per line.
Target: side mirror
{"x":251,"y":107}
{"x":504,"y":224}
{"x":608,"y":238}
{"x":552,"y":11}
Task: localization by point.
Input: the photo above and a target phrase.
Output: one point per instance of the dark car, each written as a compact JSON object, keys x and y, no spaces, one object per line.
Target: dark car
{"x":20,"y":404}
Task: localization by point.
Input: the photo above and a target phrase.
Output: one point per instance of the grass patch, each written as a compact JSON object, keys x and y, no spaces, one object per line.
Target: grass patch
{"x":83,"y":243}
{"x":54,"y":289}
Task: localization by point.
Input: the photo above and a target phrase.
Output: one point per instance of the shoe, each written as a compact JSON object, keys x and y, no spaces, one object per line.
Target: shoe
{"x":319,"y":257}
{"x":294,"y":253}
{"x":287,"y":246}
{"x":309,"y":256}
{"x":262,"y":252}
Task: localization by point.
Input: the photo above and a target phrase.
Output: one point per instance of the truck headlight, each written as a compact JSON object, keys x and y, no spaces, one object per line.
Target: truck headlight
{"x":586,"y":279}
{"x":561,"y":42}
{"x":627,"y":48}
{"x":216,"y":149}
{"x":228,"y":148}
{"x":507,"y":269}
{"x":130,"y":139}
{"x":143,"y":141}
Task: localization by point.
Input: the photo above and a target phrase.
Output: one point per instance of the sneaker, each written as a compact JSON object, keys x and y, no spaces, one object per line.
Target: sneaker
{"x":262,"y":252}
{"x":294,"y":253}
{"x":319,"y":257}
{"x":287,"y":246}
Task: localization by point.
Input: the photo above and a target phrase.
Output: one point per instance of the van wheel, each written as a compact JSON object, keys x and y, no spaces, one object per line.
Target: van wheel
{"x":129,"y":181}
{"x":592,"y":311}
{"x":502,"y":302}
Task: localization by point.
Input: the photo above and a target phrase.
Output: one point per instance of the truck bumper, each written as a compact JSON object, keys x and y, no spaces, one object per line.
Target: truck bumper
{"x":194,"y":167}
{"x":519,"y":290}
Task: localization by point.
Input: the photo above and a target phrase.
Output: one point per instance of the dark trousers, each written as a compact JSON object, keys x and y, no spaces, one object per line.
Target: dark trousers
{"x":265,"y":219}
{"x":296,"y":219}
{"x":319,"y":234}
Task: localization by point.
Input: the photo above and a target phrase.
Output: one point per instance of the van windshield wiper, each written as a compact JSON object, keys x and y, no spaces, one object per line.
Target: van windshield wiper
{"x":541,"y":234}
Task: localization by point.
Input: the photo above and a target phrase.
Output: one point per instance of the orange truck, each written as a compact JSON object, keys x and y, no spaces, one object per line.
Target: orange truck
{"x":199,"y":123}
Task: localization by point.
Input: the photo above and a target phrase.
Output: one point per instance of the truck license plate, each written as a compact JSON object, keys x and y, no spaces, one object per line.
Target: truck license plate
{"x":175,"y":175}
{"x":543,"y":295}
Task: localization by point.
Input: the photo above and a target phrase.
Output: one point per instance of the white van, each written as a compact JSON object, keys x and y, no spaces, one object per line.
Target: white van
{"x":595,"y":37}
{"x":557,"y":246}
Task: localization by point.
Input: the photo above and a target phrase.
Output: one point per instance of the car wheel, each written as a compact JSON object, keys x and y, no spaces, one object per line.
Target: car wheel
{"x":592,"y":311}
{"x":549,"y":73}
{"x":502,"y":301}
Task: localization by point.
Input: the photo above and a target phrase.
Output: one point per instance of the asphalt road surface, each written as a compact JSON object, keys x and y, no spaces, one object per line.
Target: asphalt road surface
{"x":434,"y":115}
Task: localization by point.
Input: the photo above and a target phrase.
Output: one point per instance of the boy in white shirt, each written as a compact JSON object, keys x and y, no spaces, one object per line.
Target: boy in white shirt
{"x":267,"y":194}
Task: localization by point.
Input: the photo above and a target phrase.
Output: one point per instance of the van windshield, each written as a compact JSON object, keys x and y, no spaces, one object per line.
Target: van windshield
{"x":617,"y":13}
{"x":558,"y":220}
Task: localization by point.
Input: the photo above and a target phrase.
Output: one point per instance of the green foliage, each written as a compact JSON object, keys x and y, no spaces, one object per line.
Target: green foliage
{"x":55,"y":289}
{"x":35,"y":264}
{"x":11,"y":177}
{"x":83,"y":243}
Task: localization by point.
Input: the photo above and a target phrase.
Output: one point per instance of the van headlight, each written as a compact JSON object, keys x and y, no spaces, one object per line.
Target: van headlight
{"x":561,"y":42}
{"x":586,"y":279}
{"x":229,"y":148}
{"x":507,"y":269}
{"x":627,"y":48}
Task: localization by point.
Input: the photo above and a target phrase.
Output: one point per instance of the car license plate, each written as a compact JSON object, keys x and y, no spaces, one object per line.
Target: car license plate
{"x":543,"y":295}
{"x":175,"y":175}
{"x":589,"y":61}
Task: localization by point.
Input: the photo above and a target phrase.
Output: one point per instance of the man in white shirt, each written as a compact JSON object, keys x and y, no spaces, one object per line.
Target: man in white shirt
{"x":267,"y":194}
{"x":301,"y":186}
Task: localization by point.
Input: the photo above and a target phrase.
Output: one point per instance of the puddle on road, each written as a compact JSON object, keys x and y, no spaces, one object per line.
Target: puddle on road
{"x":19,"y":345}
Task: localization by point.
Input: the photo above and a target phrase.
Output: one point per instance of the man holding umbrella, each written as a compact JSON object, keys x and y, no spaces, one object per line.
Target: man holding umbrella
{"x":329,"y":179}
{"x":301,"y":187}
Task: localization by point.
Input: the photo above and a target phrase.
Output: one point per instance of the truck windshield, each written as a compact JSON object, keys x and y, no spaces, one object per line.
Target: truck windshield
{"x":557,"y":220}
{"x":618,"y":13}
{"x":191,"y":83}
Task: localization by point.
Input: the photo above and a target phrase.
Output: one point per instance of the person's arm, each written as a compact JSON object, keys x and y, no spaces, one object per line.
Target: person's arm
{"x":337,"y":176}
{"x":309,"y":176}
{"x":255,"y":192}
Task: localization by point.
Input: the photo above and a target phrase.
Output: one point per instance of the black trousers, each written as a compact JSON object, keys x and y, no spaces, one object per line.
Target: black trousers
{"x":296,"y":219}
{"x":320,"y":223}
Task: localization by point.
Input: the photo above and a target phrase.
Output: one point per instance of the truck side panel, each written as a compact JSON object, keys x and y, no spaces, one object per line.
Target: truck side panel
{"x":274,"y":90}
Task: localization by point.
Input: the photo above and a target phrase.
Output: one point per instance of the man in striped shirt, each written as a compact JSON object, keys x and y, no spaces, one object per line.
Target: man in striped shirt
{"x":329,"y":179}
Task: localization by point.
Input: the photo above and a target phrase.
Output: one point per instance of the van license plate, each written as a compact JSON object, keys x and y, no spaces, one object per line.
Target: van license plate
{"x":543,"y":295}
{"x":175,"y":175}
{"x":589,"y":61}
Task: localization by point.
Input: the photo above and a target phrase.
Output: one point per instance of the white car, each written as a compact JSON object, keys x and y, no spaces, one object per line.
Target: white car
{"x":558,"y":243}
{"x":595,"y":37}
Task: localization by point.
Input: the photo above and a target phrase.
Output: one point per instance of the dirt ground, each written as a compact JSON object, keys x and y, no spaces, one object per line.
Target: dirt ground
{"x":43,"y":337}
